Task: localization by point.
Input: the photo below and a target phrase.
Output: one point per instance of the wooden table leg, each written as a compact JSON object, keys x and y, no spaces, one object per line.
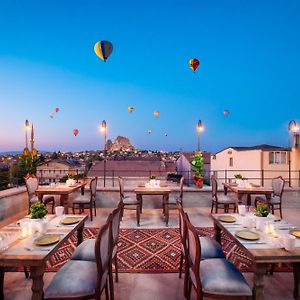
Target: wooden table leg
{"x":249,"y":199}
{"x":258,"y":280}
{"x":2,"y":272}
{"x":82,"y":190}
{"x":37,"y":273}
{"x":225,"y":190}
{"x":166,"y":201}
{"x":296,"y":271}
{"x":217,"y":233}
{"x":64,"y":202}
{"x":80,"y":235}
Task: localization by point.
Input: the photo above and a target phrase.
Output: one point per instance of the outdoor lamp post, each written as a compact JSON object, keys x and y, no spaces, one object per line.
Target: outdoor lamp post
{"x":293,"y":128}
{"x":27,"y":127}
{"x":199,"y":129}
{"x":104,"y":129}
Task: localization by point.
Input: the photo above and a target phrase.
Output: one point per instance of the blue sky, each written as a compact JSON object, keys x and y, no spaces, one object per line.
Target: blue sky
{"x":248,"y":51}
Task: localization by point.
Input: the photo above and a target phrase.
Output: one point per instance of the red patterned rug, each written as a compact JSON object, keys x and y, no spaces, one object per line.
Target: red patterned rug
{"x":152,"y":251}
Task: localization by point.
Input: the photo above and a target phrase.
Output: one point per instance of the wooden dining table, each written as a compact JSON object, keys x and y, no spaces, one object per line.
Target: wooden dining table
{"x":17,"y":251}
{"x":60,"y":189}
{"x":153,"y":191}
{"x":263,"y":252}
{"x":250,"y":189}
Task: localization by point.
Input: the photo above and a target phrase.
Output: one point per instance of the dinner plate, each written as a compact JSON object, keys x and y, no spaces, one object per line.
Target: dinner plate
{"x":247,"y":235}
{"x":295,"y":232}
{"x":47,"y":239}
{"x":70,"y":221}
{"x":227,"y":219}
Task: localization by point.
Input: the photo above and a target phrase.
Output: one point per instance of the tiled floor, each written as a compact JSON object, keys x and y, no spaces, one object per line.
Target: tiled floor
{"x":164,"y":286}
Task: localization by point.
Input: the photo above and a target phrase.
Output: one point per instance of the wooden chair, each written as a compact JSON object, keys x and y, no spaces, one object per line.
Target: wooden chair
{"x":32,"y":183}
{"x":173,"y":201}
{"x":129,"y":202}
{"x":222,"y":201}
{"x":81,"y":279}
{"x":87,"y":201}
{"x":214,"y":277}
{"x":85,"y":251}
{"x":276,"y":199}
{"x":210,"y":248}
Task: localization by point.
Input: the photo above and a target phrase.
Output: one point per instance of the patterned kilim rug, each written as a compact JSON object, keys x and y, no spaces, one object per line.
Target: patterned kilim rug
{"x":152,"y":251}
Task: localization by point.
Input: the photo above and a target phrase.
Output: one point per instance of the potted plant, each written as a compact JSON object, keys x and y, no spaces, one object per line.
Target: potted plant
{"x":239,"y":179}
{"x":197,"y":165}
{"x":152,"y":180}
{"x":38,"y":211}
{"x":262,"y":209}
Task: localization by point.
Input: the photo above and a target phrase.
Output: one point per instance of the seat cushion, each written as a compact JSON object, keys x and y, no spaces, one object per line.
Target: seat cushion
{"x":225,"y":199}
{"x":85,"y":251}
{"x":82,"y":199}
{"x":275,"y":200}
{"x":75,"y":279}
{"x":210,"y":248}
{"x":220,"y":277}
{"x":46,"y":199}
{"x":129,"y":200}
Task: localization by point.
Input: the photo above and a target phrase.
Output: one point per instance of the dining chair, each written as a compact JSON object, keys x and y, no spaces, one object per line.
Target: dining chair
{"x":276,"y":199}
{"x":214,"y":277}
{"x":81,"y":279}
{"x":210,"y":247}
{"x":128,"y":202}
{"x":87,"y":201}
{"x":32,"y":183}
{"x":172,"y":202}
{"x":222,"y":201}
{"x":85,"y":251}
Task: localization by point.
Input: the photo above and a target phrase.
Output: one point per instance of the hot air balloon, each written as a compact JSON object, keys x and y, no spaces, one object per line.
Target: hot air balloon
{"x":226,"y":112}
{"x":130,"y":108}
{"x":103,"y":49}
{"x":75,"y":131}
{"x":149,"y":131}
{"x":166,"y":134}
{"x":52,"y":114}
{"x":156,"y":114}
{"x":57,"y":109}
{"x":194,"y":64}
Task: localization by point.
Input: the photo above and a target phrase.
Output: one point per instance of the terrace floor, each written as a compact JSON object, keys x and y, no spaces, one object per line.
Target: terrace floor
{"x":163,"y":286}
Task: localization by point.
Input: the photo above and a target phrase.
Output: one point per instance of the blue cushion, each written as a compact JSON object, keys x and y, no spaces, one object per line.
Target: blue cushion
{"x":210,"y":248}
{"x":220,"y":277}
{"x":85,"y":251}
{"x":75,"y":279}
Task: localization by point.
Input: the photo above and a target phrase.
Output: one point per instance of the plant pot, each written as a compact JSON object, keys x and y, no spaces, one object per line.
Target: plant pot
{"x":198,"y":181}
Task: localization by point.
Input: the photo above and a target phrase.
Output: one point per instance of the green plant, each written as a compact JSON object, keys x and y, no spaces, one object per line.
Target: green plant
{"x":38,"y":211}
{"x":152,"y":177}
{"x":197,"y":164}
{"x":238,"y":176}
{"x":262,"y":209}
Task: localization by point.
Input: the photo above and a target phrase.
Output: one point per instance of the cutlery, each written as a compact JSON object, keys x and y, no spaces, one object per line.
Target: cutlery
{"x":249,"y":243}
{"x":36,"y":249}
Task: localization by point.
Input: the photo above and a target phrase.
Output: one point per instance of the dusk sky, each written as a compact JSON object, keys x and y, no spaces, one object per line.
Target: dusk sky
{"x":249,"y":54}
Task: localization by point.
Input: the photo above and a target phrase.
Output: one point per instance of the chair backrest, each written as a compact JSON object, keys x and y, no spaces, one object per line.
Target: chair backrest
{"x":214,"y":187}
{"x":278,"y":185}
{"x":103,"y":249}
{"x":193,"y":252}
{"x":121,"y":186}
{"x":181,"y":187}
{"x":93,"y":187}
{"x":32,"y":184}
{"x":182,"y":226}
{"x":115,"y":224}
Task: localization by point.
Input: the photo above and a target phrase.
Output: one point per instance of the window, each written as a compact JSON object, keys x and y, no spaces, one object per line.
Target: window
{"x":230,"y":161}
{"x":277,"y":157}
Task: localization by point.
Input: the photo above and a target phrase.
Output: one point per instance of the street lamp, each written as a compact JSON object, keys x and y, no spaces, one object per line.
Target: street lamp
{"x":27,"y":127}
{"x":104,"y":130}
{"x":199,"y":129}
{"x":293,"y":128}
